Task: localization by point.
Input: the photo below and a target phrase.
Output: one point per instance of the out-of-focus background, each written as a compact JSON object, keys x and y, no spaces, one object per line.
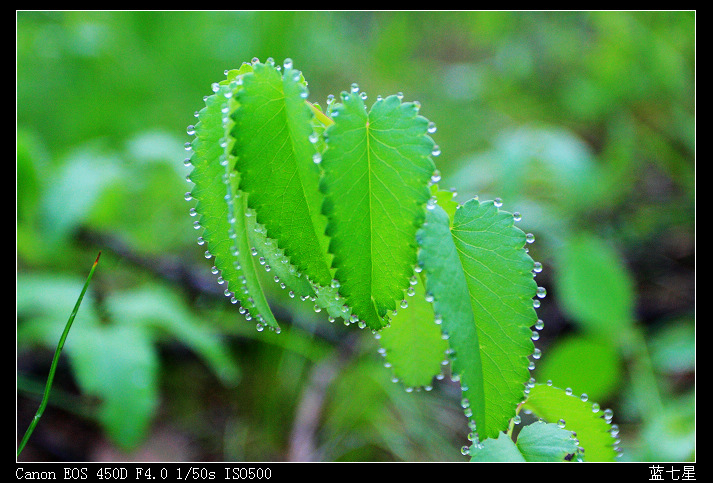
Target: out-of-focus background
{"x":584,"y":122}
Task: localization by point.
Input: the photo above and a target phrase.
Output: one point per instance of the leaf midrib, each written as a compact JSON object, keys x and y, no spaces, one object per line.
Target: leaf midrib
{"x":370,"y":215}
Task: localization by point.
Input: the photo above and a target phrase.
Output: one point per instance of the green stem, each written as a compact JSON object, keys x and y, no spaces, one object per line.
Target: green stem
{"x":55,"y":359}
{"x":322,"y":117}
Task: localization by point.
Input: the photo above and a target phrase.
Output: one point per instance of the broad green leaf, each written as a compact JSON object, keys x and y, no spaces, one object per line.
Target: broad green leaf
{"x":482,"y":283}
{"x":594,"y":287}
{"x":500,"y":449}
{"x":160,"y":313}
{"x":546,"y":442}
{"x":119,"y":365}
{"x":412,"y":343}
{"x":537,"y":442}
{"x":222,"y":208}
{"x":591,"y":423}
{"x":585,"y":364}
{"x":275,"y":159}
{"x":377,"y":167}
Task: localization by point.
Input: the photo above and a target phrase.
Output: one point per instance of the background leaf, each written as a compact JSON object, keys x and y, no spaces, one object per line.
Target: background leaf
{"x":595,"y":288}
{"x":119,"y":366}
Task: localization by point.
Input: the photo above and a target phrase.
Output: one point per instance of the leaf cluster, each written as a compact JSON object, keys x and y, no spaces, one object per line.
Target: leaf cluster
{"x":342,"y":207}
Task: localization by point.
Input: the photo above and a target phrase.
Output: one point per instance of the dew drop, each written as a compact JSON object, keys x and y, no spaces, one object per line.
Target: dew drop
{"x":436,"y":150}
{"x":561,"y":423}
{"x":431,"y":127}
{"x":584,"y":397}
{"x":436,"y":177}
{"x":537,"y":268}
{"x":530,"y":238}
{"x":404,"y":304}
{"x":498,"y":202}
{"x":541,"y":292}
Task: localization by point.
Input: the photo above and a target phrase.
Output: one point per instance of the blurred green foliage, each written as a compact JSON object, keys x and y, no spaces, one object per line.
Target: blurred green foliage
{"x":584,"y":122}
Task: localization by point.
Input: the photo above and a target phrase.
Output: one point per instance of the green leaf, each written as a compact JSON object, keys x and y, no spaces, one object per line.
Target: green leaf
{"x":537,"y":442}
{"x":412,"y":343}
{"x":482,"y":283}
{"x":161,"y":313}
{"x":545,"y":442}
{"x":592,"y":425}
{"x":377,"y":168}
{"x":585,"y":364}
{"x":222,"y":208}
{"x":500,"y":449}
{"x":595,"y":288}
{"x":119,"y":365}
{"x":275,"y":159}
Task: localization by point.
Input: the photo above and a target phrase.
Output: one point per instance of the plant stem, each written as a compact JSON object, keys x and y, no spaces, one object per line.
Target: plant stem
{"x":322,"y":117}
{"x":55,"y":359}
